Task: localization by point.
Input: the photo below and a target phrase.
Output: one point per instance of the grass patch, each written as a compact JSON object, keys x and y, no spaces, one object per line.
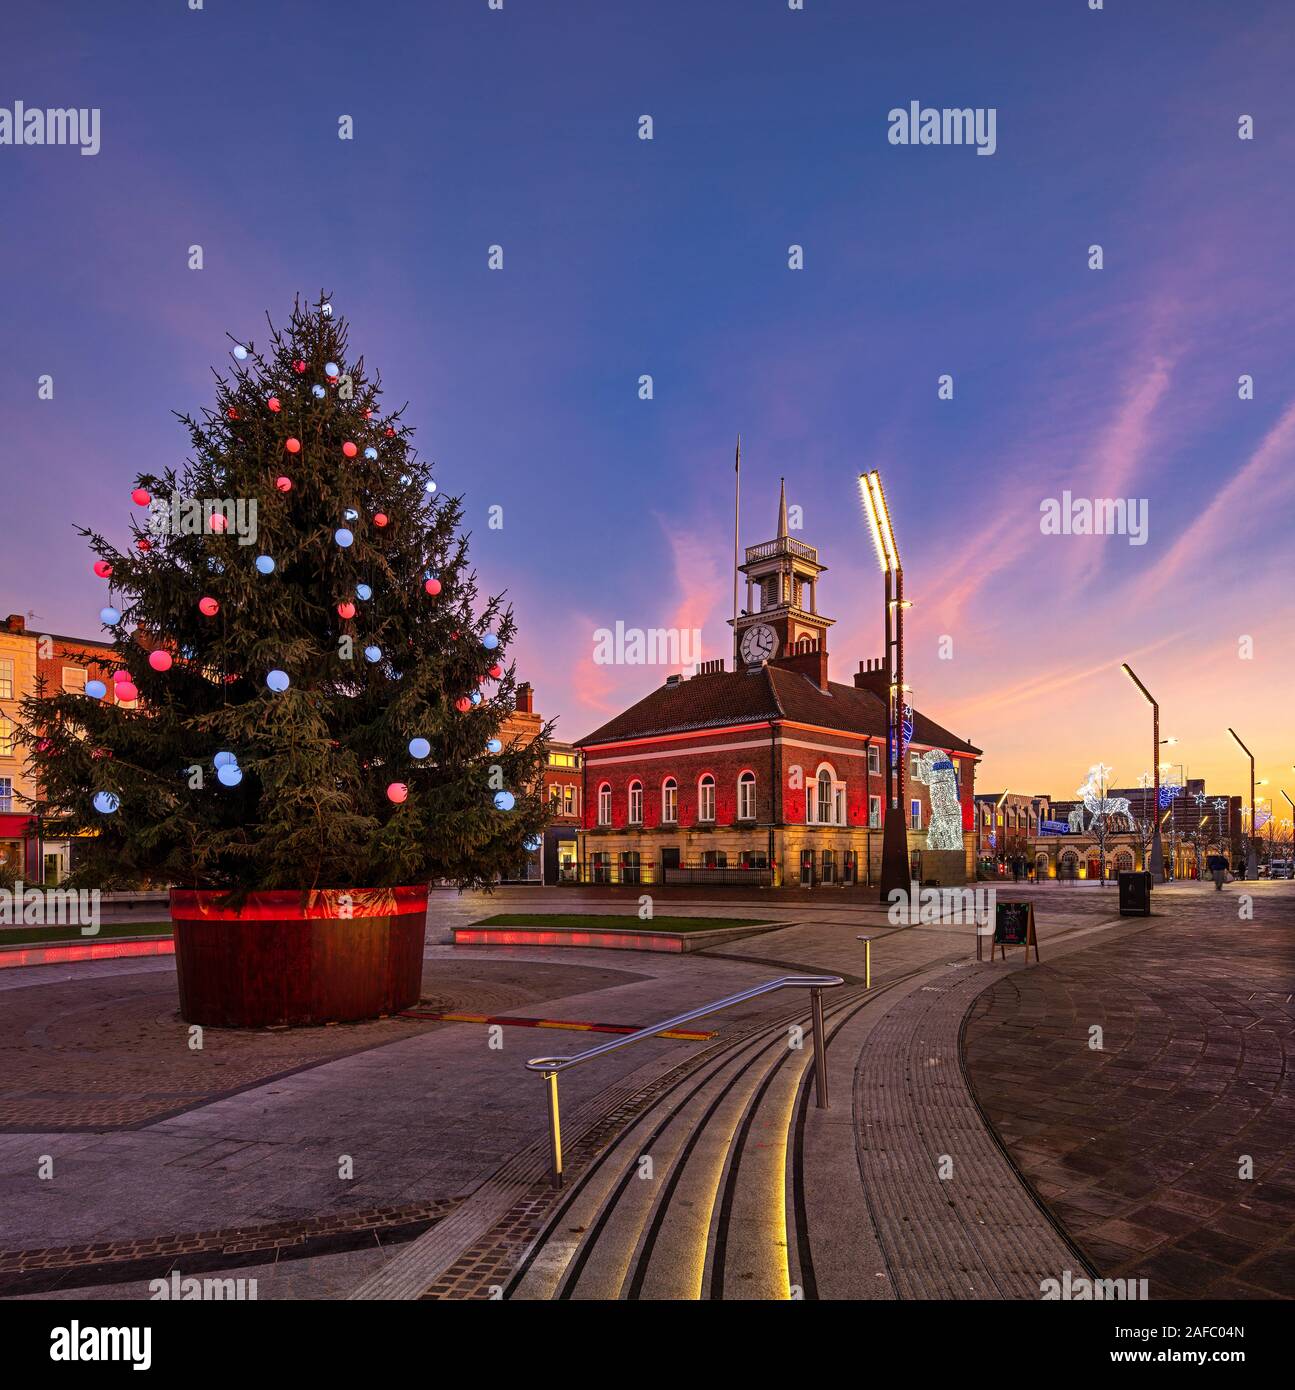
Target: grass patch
{"x":603,"y":921}
{"x":29,"y":936}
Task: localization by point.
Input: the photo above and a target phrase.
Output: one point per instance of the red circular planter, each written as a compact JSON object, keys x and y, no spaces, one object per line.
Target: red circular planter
{"x":331,"y":955}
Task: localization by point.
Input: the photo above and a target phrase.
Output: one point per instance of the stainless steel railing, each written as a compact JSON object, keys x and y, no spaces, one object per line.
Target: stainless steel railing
{"x":549,"y":1067}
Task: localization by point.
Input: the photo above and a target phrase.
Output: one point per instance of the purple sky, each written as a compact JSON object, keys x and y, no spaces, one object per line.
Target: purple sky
{"x":669,"y":257}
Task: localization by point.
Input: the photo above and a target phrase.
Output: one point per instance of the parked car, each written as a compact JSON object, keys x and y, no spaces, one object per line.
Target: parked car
{"x":1281,"y":868}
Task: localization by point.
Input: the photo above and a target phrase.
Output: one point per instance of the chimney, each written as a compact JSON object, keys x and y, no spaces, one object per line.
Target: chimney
{"x":15,"y":622}
{"x":871,"y":675}
{"x":811,"y":661}
{"x":525,"y":698}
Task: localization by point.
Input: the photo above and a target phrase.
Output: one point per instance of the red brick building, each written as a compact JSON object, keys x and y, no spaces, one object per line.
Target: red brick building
{"x":771,"y":773}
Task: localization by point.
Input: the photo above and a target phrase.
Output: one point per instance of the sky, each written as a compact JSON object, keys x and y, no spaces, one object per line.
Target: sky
{"x":520,"y":127}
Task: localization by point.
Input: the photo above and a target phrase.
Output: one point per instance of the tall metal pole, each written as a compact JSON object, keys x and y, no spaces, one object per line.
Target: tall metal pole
{"x":1157,"y":865}
{"x":1252,"y":859}
{"x":737,"y":507}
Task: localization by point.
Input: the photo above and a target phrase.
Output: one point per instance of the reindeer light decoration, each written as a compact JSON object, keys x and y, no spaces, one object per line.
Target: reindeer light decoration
{"x":1096,"y":802}
{"x":937,"y":771}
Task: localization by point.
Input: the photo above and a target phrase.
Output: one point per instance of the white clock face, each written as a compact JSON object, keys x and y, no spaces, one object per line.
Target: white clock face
{"x":759,"y":643}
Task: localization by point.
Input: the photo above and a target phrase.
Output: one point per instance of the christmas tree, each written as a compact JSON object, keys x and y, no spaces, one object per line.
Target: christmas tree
{"x":319,"y":692}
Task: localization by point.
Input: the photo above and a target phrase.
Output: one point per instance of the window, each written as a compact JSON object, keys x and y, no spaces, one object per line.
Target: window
{"x":824,"y":816}
{"x":706,"y":798}
{"x":630,"y":864}
{"x":714,"y":859}
{"x":555,"y":798}
{"x":669,"y":801}
{"x":6,"y":793}
{"x":829,"y":866}
{"x":562,"y":760}
{"x":6,"y":678}
{"x":849,"y":866}
{"x":600,"y":866}
{"x":605,"y":804}
{"x":874,"y":813}
{"x":746,"y":796}
{"x":569,"y":801}
{"x":636,"y":804}
{"x":874,"y":758}
{"x":914,"y":765}
{"x":753,"y":859}
{"x":915,"y":815}
{"x":74,"y":679}
{"x":957,"y":772}
{"x":6,"y":736}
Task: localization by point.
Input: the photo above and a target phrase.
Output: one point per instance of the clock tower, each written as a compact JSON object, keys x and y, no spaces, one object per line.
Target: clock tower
{"x":781,"y":616}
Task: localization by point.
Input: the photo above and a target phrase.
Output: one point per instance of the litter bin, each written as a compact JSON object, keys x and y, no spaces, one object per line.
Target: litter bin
{"x":1135,"y":894}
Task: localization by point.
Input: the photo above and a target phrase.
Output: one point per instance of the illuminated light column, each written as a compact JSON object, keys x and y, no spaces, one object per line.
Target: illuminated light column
{"x":894,"y":840}
{"x":1157,"y":865}
{"x":1252,"y":860}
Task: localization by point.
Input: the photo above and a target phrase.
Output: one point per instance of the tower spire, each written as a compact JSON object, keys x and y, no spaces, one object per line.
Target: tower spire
{"x":782,"y":508}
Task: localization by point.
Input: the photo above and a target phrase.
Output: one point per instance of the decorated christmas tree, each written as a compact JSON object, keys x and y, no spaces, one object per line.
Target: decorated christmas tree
{"x":311,"y":691}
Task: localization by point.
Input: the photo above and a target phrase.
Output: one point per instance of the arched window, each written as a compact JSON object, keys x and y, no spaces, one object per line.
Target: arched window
{"x":746,"y":796}
{"x":824,"y":816}
{"x":706,"y":798}
{"x":669,"y":802}
{"x":605,"y":804}
{"x":636,"y":803}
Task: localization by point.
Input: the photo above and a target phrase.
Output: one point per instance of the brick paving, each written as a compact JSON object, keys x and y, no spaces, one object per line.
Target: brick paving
{"x":124,"y":1261}
{"x":112,"y":1052}
{"x":1137,"y":1148}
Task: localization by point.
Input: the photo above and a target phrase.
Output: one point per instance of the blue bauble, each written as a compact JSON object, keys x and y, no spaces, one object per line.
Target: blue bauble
{"x":265,"y":564}
{"x":331,"y":369}
{"x":475,"y":697}
{"x":362,"y":591}
{"x":372,"y":654}
{"x":96,"y":690}
{"x":505,"y":801}
{"x":429,"y":487}
{"x":370,"y":452}
{"x":404,"y":480}
{"x":229,"y":776}
{"x":343,"y":537}
{"x":419,"y":748}
{"x":109,"y":616}
{"x":106,"y":802}
{"x":224,"y":759}
{"x":317,"y":392}
{"x":494,"y":746}
{"x":278,"y":681}
{"x":531,"y":843}
{"x":350,"y":514}
{"x":490,"y":641}
{"x":240,"y":352}
{"x":326,"y":310}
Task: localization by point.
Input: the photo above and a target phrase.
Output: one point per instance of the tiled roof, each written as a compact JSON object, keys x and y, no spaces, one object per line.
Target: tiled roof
{"x":756,"y":697}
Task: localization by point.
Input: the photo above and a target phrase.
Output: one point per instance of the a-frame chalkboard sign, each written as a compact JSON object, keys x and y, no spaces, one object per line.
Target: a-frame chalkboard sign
{"x":1014,"y":926}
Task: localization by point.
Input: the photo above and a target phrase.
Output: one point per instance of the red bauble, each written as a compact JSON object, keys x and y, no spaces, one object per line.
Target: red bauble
{"x":298,"y":366}
{"x":103,"y":569}
{"x":209,"y":606}
{"x":379,"y":518}
{"x":368,"y":415}
{"x":218,"y":522}
{"x":346,"y":610}
{"x":144,"y":543}
{"x":397,"y":792}
{"x":283,"y":484}
{"x":140,"y":497}
{"x":232,"y":413}
{"x":126,"y":690}
{"x":496,"y":672}
{"x":463,"y":704}
{"x":391,"y":434}
{"x":273,"y":403}
{"x":160,"y":660}
{"x":293,"y":446}
{"x":349,"y":449}
{"x":433,"y":587}
{"x":119,"y":675}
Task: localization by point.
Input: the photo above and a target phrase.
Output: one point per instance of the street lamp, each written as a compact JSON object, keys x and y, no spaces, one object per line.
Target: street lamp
{"x":1252,"y":862}
{"x":1157,"y":864}
{"x":894,"y":838}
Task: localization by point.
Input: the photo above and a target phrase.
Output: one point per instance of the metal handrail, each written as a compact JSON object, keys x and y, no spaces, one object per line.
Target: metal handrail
{"x":551,"y":1066}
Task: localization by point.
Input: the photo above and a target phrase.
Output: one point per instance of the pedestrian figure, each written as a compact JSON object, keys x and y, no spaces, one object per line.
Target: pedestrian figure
{"x":1218,"y":867}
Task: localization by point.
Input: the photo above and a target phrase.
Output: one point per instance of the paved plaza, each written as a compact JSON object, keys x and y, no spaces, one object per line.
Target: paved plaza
{"x":981,"y":1137}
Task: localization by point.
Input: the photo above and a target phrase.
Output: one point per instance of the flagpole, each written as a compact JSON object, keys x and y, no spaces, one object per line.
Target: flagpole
{"x":737,"y":505}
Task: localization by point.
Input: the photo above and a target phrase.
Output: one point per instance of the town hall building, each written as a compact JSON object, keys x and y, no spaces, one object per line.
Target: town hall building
{"x":771,"y":773}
